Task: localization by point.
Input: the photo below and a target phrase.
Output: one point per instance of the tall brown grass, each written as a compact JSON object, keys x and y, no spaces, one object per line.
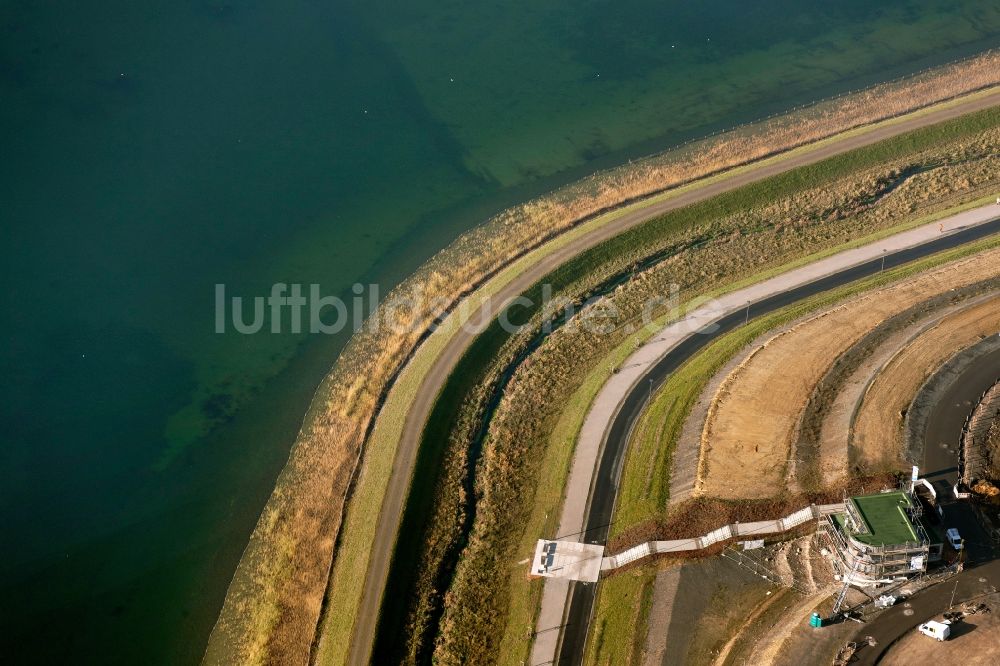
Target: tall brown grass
{"x":274,"y":601}
{"x":716,"y":253}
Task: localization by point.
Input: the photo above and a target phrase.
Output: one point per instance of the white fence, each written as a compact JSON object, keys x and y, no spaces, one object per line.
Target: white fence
{"x":634,"y":553}
{"x":720,"y":535}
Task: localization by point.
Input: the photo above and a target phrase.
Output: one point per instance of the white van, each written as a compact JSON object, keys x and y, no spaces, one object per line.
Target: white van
{"x":936,"y":630}
{"x":954,"y":538}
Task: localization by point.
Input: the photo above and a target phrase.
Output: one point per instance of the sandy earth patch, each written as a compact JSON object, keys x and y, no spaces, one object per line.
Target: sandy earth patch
{"x":684,"y":471}
{"x":835,"y":431}
{"x":746,"y":441}
{"x":975,"y":641}
{"x":708,"y":611}
{"x":782,"y":634}
{"x":877,"y":431}
{"x":664,"y":595}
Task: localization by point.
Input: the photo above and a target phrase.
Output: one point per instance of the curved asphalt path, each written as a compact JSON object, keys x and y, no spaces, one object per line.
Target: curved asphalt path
{"x":605,"y":484}
{"x":399,"y":483}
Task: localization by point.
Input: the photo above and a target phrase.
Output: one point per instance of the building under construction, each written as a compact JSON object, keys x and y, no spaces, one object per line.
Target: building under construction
{"x":880,"y":538}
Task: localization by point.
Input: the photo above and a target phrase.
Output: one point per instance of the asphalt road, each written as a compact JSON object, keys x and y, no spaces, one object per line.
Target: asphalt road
{"x":601,"y":507}
{"x":433,"y":382}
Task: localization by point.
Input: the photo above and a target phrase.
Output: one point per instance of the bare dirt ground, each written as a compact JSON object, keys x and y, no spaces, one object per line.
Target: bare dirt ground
{"x":664,"y":595}
{"x":833,"y":448}
{"x":771,"y":643}
{"x":877,"y":429}
{"x":836,"y":427}
{"x":696,"y":607}
{"x":717,"y":611}
{"x":781,"y":633}
{"x":684,"y":471}
{"x":752,"y":422}
{"x":975,"y":641}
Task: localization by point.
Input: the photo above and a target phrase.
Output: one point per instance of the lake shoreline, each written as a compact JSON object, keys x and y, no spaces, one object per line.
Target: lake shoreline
{"x":343,"y":411}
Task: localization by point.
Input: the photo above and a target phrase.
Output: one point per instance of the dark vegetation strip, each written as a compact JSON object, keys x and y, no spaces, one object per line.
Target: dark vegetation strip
{"x":453,"y":413}
{"x":464,"y":403}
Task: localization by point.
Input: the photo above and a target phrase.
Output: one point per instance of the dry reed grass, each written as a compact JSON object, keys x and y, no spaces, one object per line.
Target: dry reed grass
{"x":715,"y":253}
{"x":274,"y":601}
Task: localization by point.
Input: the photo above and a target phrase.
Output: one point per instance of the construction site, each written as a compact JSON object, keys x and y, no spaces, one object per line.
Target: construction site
{"x":881,"y":538}
{"x":903,"y":377}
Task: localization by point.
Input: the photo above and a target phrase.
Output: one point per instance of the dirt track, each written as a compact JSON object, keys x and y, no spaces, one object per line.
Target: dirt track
{"x":834,"y":452}
{"x":747,"y":440}
{"x":879,"y":422}
{"x":435,"y":379}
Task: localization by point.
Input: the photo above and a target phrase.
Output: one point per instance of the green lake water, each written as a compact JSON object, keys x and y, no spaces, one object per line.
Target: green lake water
{"x":152,"y":150}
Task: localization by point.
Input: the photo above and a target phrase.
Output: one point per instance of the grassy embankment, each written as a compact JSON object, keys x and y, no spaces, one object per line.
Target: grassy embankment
{"x":644,"y":494}
{"x":506,"y":482}
{"x":268,"y":610}
{"x":644,"y":491}
{"x":630,"y":595}
{"x":596,"y":192}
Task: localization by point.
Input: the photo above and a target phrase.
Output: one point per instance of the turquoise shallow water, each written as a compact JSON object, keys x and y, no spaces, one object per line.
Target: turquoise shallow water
{"x":152,"y":150}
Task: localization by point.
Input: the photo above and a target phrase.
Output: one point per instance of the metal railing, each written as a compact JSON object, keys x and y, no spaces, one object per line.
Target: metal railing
{"x":720,"y":535}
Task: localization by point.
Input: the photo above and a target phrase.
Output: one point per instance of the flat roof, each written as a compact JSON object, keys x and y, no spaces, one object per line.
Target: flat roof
{"x":567,"y":559}
{"x":886,"y":517}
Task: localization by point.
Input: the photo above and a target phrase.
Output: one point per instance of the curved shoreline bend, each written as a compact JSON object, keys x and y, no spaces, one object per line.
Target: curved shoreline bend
{"x":433,"y":382}
{"x":276,"y":602}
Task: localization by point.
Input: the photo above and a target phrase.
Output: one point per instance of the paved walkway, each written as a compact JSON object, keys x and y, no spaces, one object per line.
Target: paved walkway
{"x":614,"y":391}
{"x":633,"y":215}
